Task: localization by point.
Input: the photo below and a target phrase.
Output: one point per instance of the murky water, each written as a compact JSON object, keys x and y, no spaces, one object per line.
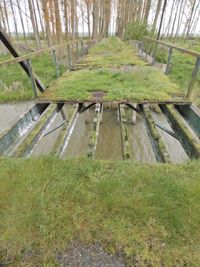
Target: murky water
{"x":10,"y":113}
{"x":80,"y":137}
{"x":174,"y":147}
{"x":109,"y":145}
{"x":46,"y":143}
{"x":15,"y":134}
{"x":192,"y":116}
{"x":141,"y":148}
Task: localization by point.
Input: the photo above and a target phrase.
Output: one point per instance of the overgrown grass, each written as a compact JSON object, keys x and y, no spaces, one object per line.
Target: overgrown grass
{"x":112,"y":52}
{"x":151,"y":213}
{"x":138,"y":84}
{"x":182,"y":65}
{"x":15,"y":84}
{"x":120,"y":75}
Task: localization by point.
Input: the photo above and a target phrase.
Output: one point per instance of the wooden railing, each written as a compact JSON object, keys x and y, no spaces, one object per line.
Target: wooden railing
{"x":27,"y":58}
{"x":169,"y":59}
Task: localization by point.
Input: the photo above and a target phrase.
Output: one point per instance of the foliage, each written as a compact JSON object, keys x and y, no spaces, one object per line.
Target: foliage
{"x":151,"y":213}
{"x":15,"y":84}
{"x":137,"y":31}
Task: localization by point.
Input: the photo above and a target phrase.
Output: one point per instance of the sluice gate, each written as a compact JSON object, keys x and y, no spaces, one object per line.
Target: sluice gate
{"x":149,"y":133}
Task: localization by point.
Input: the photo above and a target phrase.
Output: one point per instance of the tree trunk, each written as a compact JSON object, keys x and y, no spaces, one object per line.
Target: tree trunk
{"x":95,"y":19}
{"x":37,"y":38}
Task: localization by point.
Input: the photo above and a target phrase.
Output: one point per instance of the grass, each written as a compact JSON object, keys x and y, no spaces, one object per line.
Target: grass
{"x":112,"y":53}
{"x":119,"y":74}
{"x":16,"y":86}
{"x":139,"y":84}
{"x":151,"y":213}
{"x":182,"y":66}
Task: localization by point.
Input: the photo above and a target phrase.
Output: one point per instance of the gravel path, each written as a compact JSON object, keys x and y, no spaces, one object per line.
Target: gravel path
{"x":89,"y":256}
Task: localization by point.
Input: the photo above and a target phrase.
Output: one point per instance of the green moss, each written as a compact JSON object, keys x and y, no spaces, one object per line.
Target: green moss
{"x":142,"y":83}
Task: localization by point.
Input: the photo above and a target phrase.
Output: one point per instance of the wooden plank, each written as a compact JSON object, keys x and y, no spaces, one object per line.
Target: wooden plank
{"x":30,"y":140}
{"x":159,"y":145}
{"x":61,"y":140}
{"x":181,"y":49}
{"x":126,"y":150}
{"x":189,"y":141}
{"x":95,"y":131}
{"x":31,"y":55}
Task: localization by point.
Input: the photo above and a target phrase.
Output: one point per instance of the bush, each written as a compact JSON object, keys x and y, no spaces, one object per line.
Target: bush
{"x":137,"y":30}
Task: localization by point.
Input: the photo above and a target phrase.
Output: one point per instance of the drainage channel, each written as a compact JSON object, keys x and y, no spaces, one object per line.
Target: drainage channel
{"x":127,"y":131}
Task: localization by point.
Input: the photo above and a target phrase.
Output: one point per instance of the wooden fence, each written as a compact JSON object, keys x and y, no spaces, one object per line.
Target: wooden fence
{"x":172,"y":47}
{"x":79,"y":44}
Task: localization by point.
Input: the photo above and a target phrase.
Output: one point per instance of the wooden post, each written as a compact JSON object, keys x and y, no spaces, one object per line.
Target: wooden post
{"x":55,"y":61}
{"x":154,"y":54}
{"x":77,"y":51}
{"x":33,"y":83}
{"x":69,"y":57}
{"x":194,"y":77}
{"x":169,"y":61}
{"x":82,"y":47}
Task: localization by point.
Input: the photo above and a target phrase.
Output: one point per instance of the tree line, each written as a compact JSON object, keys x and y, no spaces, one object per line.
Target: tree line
{"x":59,"y":20}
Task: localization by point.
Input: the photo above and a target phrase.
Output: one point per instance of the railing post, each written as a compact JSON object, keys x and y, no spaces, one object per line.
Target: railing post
{"x":69,"y":57}
{"x":33,"y":83}
{"x":169,"y":61}
{"x":194,"y":77}
{"x":154,"y":54}
{"x":55,"y":60}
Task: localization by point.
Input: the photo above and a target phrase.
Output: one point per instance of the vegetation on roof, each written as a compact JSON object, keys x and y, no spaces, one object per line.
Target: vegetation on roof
{"x":139,"y":83}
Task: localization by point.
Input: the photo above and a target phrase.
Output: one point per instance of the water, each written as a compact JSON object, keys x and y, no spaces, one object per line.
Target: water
{"x":141,"y":148}
{"x":15,"y":134}
{"x":10,"y":113}
{"x":109,"y":145}
{"x":45,"y":144}
{"x":79,"y":140}
{"x":174,"y":147}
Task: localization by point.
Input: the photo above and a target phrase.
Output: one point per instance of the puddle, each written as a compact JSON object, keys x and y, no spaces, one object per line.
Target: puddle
{"x":109,"y":141}
{"x":174,"y":147}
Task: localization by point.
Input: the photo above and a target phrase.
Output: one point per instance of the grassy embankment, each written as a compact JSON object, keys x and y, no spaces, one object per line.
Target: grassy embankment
{"x":151,"y":213}
{"x":182,"y":65}
{"x":113,"y":69}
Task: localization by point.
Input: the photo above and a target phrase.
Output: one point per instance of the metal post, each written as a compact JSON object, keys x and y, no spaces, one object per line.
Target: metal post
{"x":55,"y":61}
{"x":169,"y":61}
{"x":69,"y":57}
{"x":194,"y":77}
{"x":77,"y":51}
{"x":33,"y":83}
